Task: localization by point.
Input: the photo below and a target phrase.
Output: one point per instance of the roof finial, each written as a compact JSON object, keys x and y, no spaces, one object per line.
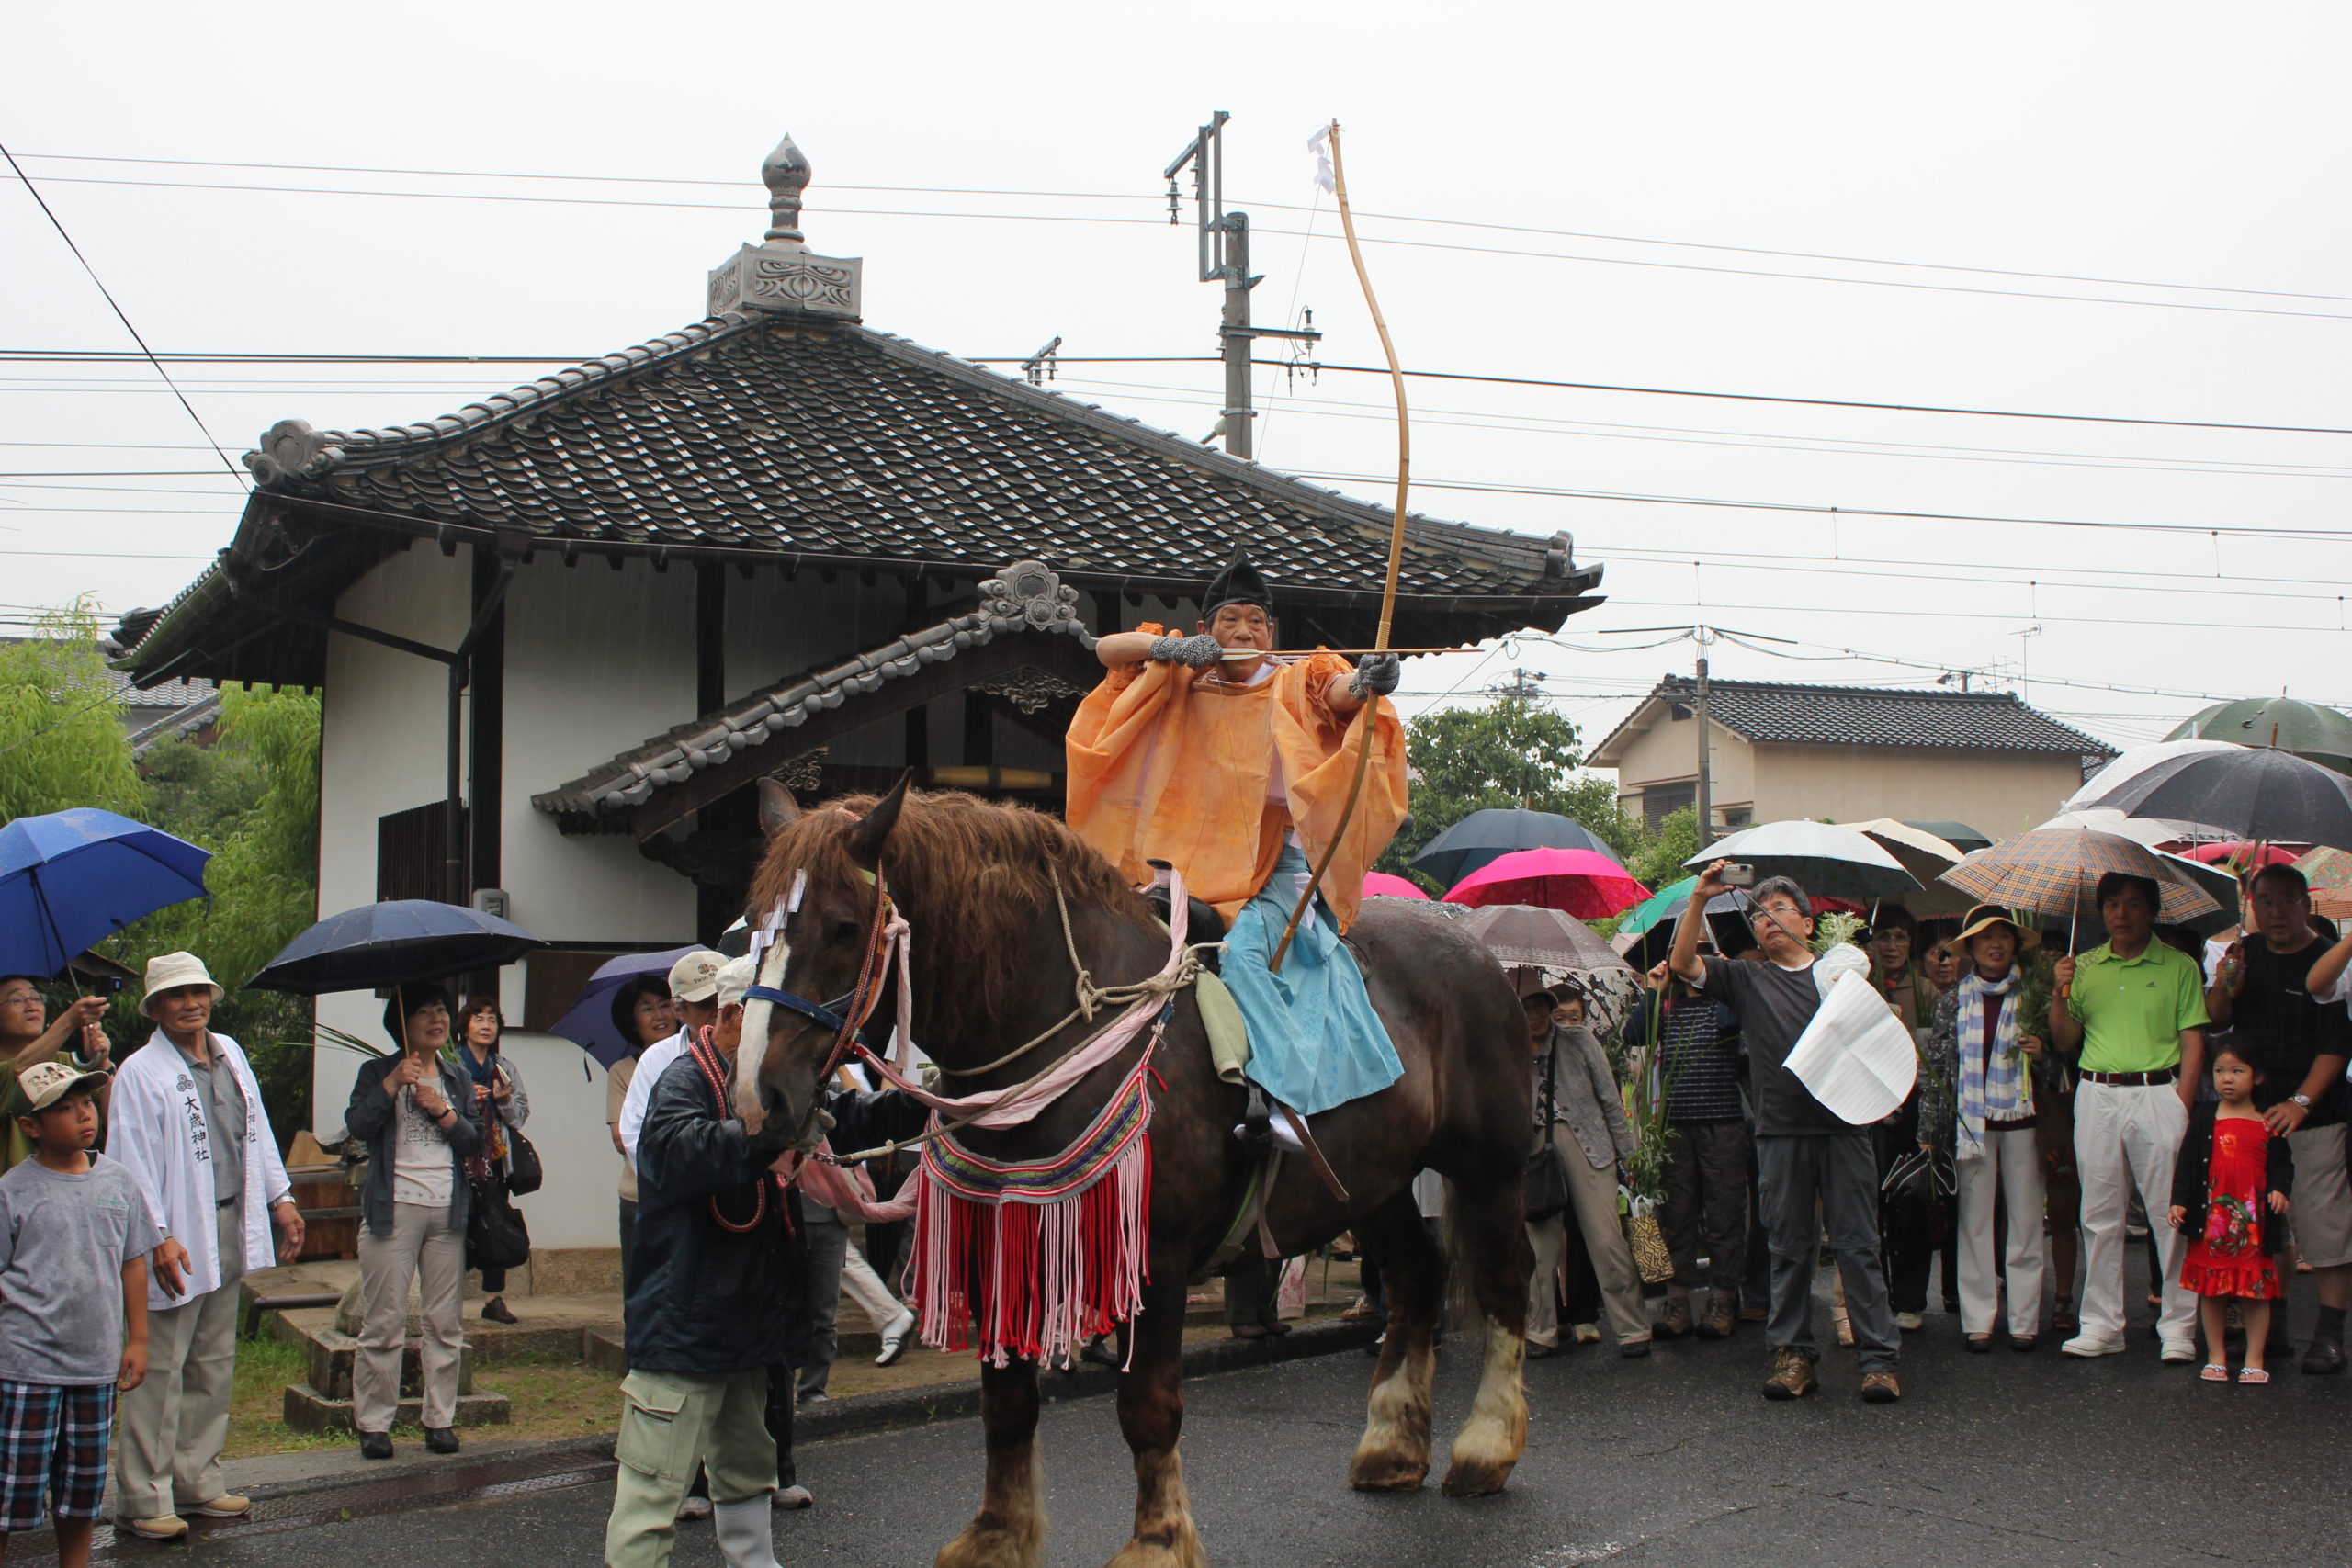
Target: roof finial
{"x":786,"y":174}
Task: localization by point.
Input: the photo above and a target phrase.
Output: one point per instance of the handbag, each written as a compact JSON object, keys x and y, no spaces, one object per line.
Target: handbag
{"x":1547,"y":1181}
{"x":496,"y":1236}
{"x":523,"y":1173}
{"x":1652,"y":1257}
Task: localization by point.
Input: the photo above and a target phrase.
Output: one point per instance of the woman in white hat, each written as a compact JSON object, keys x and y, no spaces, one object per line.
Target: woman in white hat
{"x":1978,"y":1102}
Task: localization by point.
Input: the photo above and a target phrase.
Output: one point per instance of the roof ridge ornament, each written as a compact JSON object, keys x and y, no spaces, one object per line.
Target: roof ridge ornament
{"x":781,"y":276}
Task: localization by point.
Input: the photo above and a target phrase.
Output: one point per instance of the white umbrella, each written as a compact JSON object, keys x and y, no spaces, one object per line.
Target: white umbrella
{"x":1820,"y":857}
{"x":2131,"y":765}
{"x":1925,"y":856}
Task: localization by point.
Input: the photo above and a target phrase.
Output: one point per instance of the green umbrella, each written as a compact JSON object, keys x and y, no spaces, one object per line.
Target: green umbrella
{"x":1657,"y":907}
{"x":2315,"y":733}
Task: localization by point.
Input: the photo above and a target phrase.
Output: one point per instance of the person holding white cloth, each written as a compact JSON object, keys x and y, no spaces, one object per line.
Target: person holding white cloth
{"x":1979,"y":1105}
{"x":187,"y":1118}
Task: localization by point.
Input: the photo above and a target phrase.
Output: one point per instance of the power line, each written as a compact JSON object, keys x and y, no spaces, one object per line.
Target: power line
{"x":55,"y":223}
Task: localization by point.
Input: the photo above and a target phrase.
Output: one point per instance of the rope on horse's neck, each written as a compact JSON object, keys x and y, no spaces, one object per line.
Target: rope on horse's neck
{"x":1091,"y":997}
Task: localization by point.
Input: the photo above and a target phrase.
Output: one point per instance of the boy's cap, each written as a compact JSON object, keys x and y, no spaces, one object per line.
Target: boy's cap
{"x":45,"y":1084}
{"x":735,"y":979}
{"x":694,"y":978}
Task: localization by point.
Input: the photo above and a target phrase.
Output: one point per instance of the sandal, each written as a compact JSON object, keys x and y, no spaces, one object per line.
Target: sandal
{"x":2254,"y":1374}
{"x":2061,"y":1318}
{"x":1979,"y":1344}
{"x":1843,"y":1323}
{"x":2215,"y":1372}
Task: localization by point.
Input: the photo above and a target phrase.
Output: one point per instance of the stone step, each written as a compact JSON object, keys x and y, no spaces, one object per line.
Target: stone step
{"x":308,"y":1410}
{"x":332,"y":1353}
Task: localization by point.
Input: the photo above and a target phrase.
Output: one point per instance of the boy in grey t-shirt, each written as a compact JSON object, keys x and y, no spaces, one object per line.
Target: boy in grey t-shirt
{"x":75,"y":1234}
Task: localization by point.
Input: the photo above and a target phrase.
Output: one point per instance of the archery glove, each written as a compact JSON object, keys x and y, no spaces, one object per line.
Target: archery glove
{"x":1376,"y":674}
{"x":1193,"y":652}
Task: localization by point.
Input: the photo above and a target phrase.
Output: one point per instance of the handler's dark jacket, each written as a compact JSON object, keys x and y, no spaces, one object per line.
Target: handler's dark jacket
{"x":708,"y":1299}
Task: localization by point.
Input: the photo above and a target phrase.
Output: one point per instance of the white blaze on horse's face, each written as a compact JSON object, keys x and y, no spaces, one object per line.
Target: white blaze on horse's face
{"x":752,"y":1052}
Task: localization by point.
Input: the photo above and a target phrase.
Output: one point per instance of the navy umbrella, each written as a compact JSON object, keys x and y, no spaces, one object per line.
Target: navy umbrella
{"x":588,"y":1023}
{"x":1484,"y":837}
{"x":2245,"y":792}
{"x":396,"y":942}
{"x":71,"y":878}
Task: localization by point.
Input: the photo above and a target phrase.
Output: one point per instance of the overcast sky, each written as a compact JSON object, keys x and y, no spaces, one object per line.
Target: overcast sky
{"x":2151,"y":196}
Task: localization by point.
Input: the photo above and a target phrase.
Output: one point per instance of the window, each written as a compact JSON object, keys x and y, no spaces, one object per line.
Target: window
{"x":1737,"y":816}
{"x":1661,"y":801}
{"x":413,"y":853}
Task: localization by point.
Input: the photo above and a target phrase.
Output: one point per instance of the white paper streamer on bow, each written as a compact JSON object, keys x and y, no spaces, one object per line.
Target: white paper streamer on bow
{"x":1320,"y":145}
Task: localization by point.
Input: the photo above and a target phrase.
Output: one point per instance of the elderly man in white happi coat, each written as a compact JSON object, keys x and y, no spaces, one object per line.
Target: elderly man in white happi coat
{"x":187,"y":1119}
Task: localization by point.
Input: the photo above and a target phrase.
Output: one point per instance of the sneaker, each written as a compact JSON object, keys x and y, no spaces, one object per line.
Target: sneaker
{"x":1754,"y":1313}
{"x":162,"y":1526}
{"x":894,"y":1337}
{"x":692,"y":1508}
{"x":1880,"y":1388}
{"x":1633,"y":1348}
{"x":2083,"y":1345}
{"x":1101,"y":1352}
{"x":814,"y":1396}
{"x":440,"y":1439}
{"x":2180,"y":1354}
{"x":1536,"y":1353}
{"x":1677,"y":1320}
{"x":788,"y":1498}
{"x":1910,"y":1321}
{"x":1791,"y":1374}
{"x":228,"y":1505}
{"x":2324,"y":1356}
{"x":1585,"y":1332}
{"x":1723,"y":1317}
{"x":375,"y":1445}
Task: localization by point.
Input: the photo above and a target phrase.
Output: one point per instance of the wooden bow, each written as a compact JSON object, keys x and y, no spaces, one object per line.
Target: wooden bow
{"x":1367,"y":716}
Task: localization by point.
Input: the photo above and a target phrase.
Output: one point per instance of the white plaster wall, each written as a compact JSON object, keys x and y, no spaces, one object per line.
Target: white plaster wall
{"x":777,"y":628}
{"x":383,"y":728}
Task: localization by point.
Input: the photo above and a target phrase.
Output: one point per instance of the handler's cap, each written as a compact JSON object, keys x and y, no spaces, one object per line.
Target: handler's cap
{"x":1238,"y":583}
{"x":170,"y":971}
{"x":45,"y":1084}
{"x":735,"y":977}
{"x":694,"y":978}
{"x":1985,"y":915}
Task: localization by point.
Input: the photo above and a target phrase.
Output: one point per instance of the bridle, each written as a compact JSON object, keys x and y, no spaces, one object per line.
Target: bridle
{"x":846,"y":1013}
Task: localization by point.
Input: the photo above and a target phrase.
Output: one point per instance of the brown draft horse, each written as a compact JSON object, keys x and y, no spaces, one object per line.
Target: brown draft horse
{"x":993,"y":971}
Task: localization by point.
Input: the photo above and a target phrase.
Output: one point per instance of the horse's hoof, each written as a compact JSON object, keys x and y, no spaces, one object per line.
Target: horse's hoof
{"x":1476,"y":1480}
{"x":1386,"y":1476}
{"x":1182,"y":1551}
{"x":994,"y":1546}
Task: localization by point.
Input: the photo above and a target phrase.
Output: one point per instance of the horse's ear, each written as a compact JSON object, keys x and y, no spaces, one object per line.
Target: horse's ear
{"x":778,"y":810}
{"x":874,"y":830}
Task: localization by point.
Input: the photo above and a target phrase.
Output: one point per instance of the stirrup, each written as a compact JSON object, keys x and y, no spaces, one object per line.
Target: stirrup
{"x":1257,"y":1129}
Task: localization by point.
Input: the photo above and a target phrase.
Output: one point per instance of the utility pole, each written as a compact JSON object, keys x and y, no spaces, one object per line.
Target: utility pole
{"x":1225,"y":258}
{"x":1707,"y":801}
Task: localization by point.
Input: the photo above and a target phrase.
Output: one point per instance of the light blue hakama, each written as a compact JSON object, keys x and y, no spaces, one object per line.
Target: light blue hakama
{"x":1315,"y":1041}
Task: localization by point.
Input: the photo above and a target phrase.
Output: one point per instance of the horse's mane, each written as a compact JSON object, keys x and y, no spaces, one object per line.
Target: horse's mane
{"x":975,"y":879}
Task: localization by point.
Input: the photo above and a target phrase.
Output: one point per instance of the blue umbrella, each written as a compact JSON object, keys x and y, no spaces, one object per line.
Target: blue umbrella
{"x":396,"y":942}
{"x":72,"y":878}
{"x":588,"y":1023}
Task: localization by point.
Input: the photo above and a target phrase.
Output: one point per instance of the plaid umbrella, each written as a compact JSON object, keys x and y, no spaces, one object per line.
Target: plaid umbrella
{"x":2329,"y":871}
{"x":2055,"y":871}
{"x":1540,"y":939}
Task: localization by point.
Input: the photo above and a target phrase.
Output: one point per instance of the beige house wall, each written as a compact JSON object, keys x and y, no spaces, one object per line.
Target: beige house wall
{"x":1999,"y":794}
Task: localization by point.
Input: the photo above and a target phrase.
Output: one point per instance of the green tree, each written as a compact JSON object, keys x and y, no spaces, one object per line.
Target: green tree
{"x":1658,"y":861}
{"x":1514,"y":753}
{"x":61,"y":727}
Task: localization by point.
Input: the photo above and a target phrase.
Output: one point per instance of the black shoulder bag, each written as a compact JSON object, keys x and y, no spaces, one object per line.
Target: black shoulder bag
{"x":1547,"y":1181}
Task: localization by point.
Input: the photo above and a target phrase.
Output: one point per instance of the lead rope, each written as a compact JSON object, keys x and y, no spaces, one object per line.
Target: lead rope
{"x":705,"y":1056}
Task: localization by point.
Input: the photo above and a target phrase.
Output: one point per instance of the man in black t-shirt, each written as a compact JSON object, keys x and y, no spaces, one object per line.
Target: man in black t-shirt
{"x":2299,"y":1047}
{"x":1806,"y":1155}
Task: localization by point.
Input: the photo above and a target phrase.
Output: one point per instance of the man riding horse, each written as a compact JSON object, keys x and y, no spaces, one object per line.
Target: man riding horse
{"x":1233,"y":764}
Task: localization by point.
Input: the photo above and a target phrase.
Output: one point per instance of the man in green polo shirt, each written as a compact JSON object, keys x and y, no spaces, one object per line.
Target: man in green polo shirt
{"x":2134,"y":1009}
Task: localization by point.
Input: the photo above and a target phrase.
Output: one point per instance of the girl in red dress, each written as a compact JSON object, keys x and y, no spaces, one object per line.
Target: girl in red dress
{"x":2232,"y":1176}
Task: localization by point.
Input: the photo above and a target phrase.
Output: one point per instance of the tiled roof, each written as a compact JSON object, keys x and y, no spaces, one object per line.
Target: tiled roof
{"x":1026,"y":598}
{"x":807,"y":442}
{"x":1775,"y":712}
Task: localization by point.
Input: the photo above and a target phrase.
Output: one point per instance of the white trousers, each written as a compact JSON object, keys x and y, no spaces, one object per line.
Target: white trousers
{"x":866,"y":1288}
{"x":2009,"y":1172}
{"x":2127,"y":1136}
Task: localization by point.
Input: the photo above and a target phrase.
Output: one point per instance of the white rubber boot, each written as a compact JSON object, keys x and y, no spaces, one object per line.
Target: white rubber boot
{"x":745,"y":1538}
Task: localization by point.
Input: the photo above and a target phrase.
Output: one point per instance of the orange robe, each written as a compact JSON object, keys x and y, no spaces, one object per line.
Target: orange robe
{"x":1170,"y":763}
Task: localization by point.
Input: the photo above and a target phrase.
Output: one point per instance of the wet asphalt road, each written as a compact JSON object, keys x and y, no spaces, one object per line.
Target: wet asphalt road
{"x":1989,"y":1460}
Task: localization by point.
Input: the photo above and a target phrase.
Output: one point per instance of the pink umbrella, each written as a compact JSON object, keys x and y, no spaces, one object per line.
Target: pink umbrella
{"x":1380,"y":884}
{"x":1581,"y":883}
{"x":2237,"y":857}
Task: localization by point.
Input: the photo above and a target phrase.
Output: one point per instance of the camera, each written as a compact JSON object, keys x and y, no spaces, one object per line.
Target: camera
{"x":1739,"y":876}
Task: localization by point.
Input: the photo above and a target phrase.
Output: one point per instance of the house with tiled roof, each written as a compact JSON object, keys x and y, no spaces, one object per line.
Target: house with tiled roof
{"x":562,"y":633}
{"x":1778,"y":751}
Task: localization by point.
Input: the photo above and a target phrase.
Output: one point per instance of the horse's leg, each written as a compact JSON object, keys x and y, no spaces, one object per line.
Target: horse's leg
{"x":1394,"y":1453}
{"x":1152,"y":1414}
{"x":1489,"y":1243}
{"x":1010,"y":1529}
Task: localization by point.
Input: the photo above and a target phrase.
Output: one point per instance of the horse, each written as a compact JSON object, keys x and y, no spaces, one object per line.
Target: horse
{"x":998,"y":898}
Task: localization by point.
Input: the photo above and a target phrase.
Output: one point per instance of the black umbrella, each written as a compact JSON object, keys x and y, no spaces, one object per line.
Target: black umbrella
{"x":396,"y":942}
{"x":2246,"y":792}
{"x":1484,"y":837}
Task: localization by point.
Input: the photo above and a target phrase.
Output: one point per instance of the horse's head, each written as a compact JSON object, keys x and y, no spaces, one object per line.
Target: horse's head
{"x":820,"y":871}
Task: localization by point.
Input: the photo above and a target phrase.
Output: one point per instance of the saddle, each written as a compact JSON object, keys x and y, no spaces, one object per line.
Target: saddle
{"x":1207,"y":926}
